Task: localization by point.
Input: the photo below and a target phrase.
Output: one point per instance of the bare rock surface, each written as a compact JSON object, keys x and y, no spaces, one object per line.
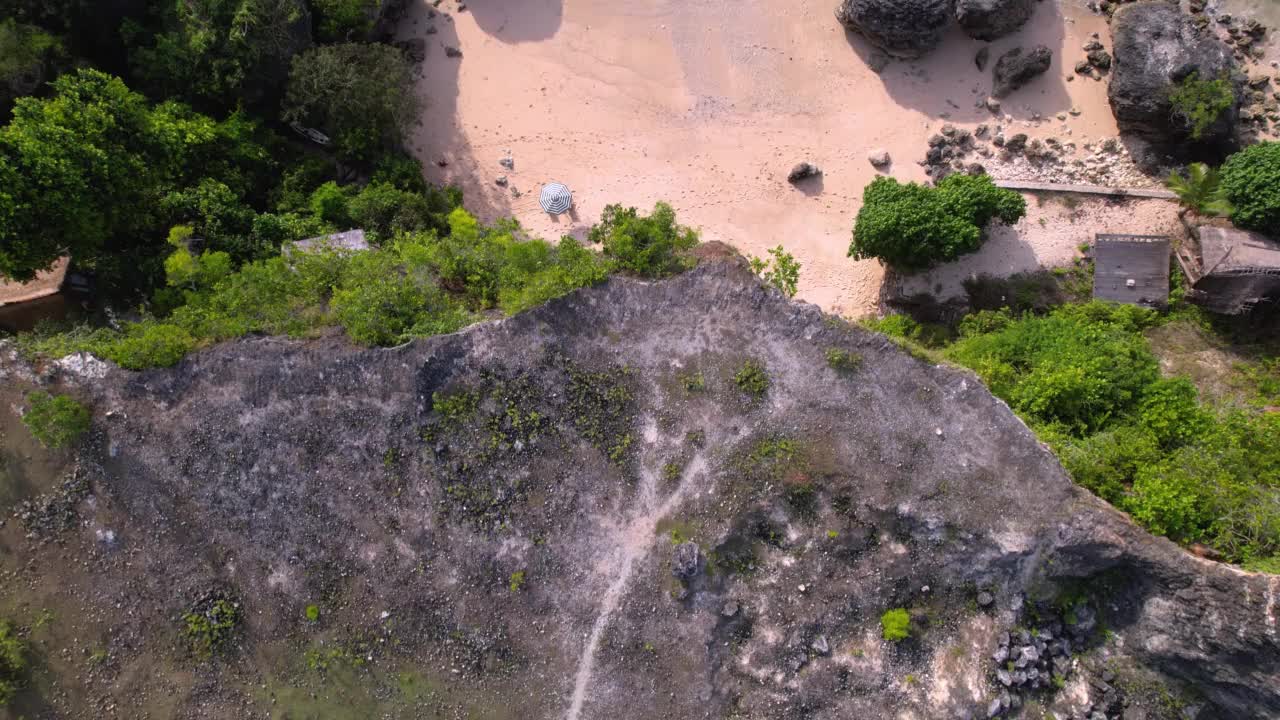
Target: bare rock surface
{"x":1156,"y":46}
{"x":993,"y":19}
{"x":579,"y":513}
{"x":902,"y":28}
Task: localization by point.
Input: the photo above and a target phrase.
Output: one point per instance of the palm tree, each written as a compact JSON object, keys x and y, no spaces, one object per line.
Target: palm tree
{"x":1199,"y":190}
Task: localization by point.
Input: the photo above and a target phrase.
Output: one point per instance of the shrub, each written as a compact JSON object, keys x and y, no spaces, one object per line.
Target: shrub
{"x":1251,"y":183}
{"x":781,"y":272}
{"x":1107,"y":462}
{"x":651,"y":246}
{"x":895,"y":625}
{"x":752,"y":379}
{"x":911,"y":227}
{"x":13,"y":662}
{"x":1170,"y":409}
{"x":328,"y":204}
{"x":1079,"y":367}
{"x":843,"y":360}
{"x":313,"y":613}
{"x":55,"y":420}
{"x":209,"y":626}
{"x":385,"y":302}
{"x":150,"y":344}
{"x":1200,"y":103}
{"x":1200,"y":190}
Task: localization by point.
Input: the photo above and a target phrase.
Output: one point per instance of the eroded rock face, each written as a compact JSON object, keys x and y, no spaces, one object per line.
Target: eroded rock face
{"x":578,"y":512}
{"x":993,"y":19}
{"x":902,"y":28}
{"x":1155,"y":47}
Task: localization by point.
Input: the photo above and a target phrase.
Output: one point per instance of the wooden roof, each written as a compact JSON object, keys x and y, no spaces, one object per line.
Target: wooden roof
{"x":1131,"y":269}
{"x":47,"y":282}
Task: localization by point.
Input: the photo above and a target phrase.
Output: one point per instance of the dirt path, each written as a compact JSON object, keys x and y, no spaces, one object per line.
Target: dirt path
{"x":708,"y":105}
{"x":636,"y":541}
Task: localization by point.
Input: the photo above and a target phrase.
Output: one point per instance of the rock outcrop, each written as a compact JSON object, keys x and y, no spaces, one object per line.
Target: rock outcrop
{"x":993,"y":19}
{"x":902,"y":28}
{"x":579,"y":513}
{"x":1017,"y":68}
{"x":1155,"y":46}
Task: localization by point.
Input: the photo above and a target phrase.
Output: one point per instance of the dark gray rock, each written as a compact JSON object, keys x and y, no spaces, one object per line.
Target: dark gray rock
{"x":902,"y":28}
{"x":984,"y":54}
{"x":1017,"y":68}
{"x":803,"y":171}
{"x":1154,"y":47}
{"x":1100,"y":59}
{"x":992,"y":19}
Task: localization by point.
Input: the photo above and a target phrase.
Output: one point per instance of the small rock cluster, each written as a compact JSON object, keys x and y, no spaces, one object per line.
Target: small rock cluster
{"x":55,"y":511}
{"x":1039,"y":658}
{"x":1097,"y":61}
{"x":1015,"y":156}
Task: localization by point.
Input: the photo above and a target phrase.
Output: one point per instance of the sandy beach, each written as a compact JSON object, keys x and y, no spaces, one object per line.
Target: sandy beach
{"x":708,"y":105}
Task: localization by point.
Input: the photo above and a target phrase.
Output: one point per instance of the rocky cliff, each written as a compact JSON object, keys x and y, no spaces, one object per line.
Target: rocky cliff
{"x":683,"y":499}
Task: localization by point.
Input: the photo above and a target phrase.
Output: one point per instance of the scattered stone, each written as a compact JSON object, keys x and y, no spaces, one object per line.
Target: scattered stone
{"x":1015,"y":69}
{"x":985,"y":599}
{"x":993,"y":105}
{"x":803,"y":171}
{"x":508,"y":162}
{"x":820,"y":645}
{"x":500,"y":181}
{"x":451,"y":51}
{"x":1100,"y":59}
{"x":1017,"y":143}
{"x":984,"y":54}
{"x":1083,"y":67}
{"x":879,"y":158}
{"x":686,"y":560}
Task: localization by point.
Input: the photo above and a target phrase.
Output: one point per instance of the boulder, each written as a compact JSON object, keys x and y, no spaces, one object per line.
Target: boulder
{"x":992,"y":19}
{"x":1017,"y":68}
{"x":1154,"y":47}
{"x":803,"y":171}
{"x":902,"y":28}
{"x":879,"y":158}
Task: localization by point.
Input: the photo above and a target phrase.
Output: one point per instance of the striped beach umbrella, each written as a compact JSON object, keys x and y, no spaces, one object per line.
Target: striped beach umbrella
{"x":556,"y":198}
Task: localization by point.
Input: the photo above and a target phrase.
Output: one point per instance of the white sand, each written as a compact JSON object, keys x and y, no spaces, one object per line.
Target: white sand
{"x":707,"y":106}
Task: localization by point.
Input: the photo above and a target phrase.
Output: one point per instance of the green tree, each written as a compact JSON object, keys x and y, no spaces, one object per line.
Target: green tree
{"x":911,"y":227}
{"x":651,"y":246}
{"x":344,"y":20}
{"x":85,"y":171}
{"x":359,"y":93}
{"x":55,"y":420}
{"x":1251,"y":183}
{"x":1200,"y":190}
{"x":219,"y":53}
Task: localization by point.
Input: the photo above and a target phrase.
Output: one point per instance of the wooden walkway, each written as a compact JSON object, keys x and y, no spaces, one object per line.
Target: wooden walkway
{"x":1156,"y":193}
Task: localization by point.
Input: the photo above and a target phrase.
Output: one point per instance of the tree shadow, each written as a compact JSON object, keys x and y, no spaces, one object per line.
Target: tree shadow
{"x":517,"y":21}
{"x":438,"y":138}
{"x":947,"y":82}
{"x":1003,"y":254}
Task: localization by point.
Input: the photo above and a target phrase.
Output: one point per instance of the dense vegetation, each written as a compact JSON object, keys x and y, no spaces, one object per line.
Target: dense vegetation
{"x":1085,"y":378}
{"x":1251,"y":183}
{"x":13,"y":662}
{"x":651,"y":246}
{"x":912,"y":227}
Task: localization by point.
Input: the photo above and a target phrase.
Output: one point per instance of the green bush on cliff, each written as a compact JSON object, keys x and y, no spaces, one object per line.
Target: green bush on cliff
{"x":651,"y":245}
{"x":912,"y":227}
{"x":13,"y":662}
{"x":1085,"y":378}
{"x":1251,"y":183}
{"x":55,"y":420}
{"x":895,"y":625}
